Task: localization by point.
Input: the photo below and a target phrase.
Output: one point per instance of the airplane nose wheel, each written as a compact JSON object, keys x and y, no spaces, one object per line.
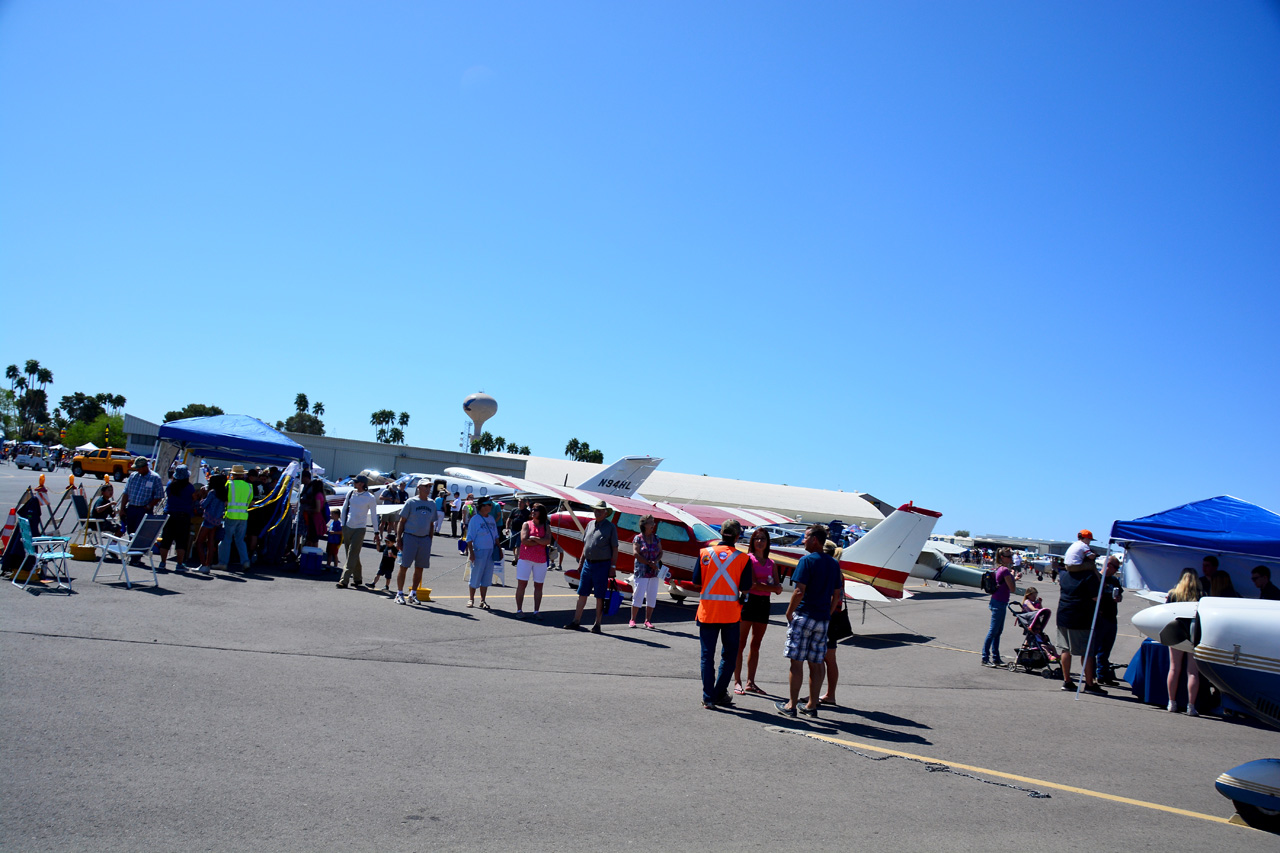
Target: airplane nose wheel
{"x":1268,"y":820}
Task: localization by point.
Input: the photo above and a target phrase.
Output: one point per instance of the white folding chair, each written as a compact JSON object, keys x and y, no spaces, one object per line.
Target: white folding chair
{"x":42,"y":549}
{"x":126,"y":549}
{"x":90,"y":529}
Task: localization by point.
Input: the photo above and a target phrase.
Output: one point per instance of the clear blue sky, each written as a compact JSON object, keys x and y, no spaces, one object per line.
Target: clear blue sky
{"x":1017,"y":262}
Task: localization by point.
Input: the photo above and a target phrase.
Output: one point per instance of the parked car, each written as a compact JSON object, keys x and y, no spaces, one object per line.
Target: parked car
{"x":109,"y":460}
{"x":34,"y":456}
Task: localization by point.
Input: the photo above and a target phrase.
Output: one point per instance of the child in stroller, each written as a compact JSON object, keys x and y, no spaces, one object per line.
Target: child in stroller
{"x":1037,"y":651}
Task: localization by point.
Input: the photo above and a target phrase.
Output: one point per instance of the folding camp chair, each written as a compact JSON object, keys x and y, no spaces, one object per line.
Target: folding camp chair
{"x":45,"y":550}
{"x":126,"y":549}
{"x":90,"y":528}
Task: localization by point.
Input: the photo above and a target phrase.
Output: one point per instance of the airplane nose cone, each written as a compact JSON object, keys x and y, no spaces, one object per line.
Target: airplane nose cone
{"x":1169,"y":624}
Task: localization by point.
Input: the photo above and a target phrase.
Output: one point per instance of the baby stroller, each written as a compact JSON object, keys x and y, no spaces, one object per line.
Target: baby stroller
{"x":1037,"y":651}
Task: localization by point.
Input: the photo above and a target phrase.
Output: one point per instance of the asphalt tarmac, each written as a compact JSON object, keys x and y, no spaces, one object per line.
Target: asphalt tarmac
{"x":271,"y":711}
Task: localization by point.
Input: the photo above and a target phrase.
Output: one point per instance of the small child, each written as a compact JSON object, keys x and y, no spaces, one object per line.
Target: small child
{"x":1031,"y":601}
{"x":333,"y":538}
{"x":388,"y":564}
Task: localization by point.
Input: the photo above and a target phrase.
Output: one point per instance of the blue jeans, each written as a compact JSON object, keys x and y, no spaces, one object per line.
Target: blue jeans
{"x":715,"y":686}
{"x":1104,"y":638}
{"x":991,"y":645}
{"x":233,"y":530}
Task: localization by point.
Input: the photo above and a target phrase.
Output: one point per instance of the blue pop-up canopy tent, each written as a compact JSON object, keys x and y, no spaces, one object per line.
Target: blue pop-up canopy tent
{"x":238,"y":437}
{"x":1240,"y":534}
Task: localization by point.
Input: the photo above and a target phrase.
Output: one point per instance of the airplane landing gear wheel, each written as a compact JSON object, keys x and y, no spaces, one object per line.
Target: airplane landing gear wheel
{"x":1259,"y":818}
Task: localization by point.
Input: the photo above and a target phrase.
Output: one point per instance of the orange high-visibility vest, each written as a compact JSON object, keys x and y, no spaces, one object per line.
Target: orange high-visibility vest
{"x":722,"y":566}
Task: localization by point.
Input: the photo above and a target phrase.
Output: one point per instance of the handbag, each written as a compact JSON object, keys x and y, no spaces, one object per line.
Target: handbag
{"x":840,"y":626}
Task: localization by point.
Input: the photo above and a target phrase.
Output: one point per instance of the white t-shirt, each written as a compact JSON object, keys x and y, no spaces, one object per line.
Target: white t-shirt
{"x":1075,"y":554}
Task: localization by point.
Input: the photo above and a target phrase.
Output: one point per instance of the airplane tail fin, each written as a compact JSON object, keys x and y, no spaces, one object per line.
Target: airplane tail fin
{"x":891,"y":548}
{"x":624,"y":477}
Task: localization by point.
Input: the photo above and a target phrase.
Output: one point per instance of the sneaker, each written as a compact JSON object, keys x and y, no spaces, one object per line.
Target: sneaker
{"x":648,"y":624}
{"x":1192,"y":712}
{"x":724,"y":702}
{"x":1069,"y":685}
{"x":1095,"y":689}
{"x":806,"y":711}
{"x":997,"y":663}
{"x":781,"y":707}
{"x":203,"y":570}
{"x":631,"y":624}
{"x":519,"y":614}
{"x":412,"y":598}
{"x":180,"y":569}
{"x":1173,"y":707}
{"x":986,"y":663}
{"x":537,"y":617}
{"x":338,"y":585}
{"x":595,"y":629}
{"x":399,"y":598}
{"x":573,"y":626}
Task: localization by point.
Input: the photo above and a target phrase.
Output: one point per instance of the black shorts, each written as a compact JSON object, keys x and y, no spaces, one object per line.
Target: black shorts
{"x":177,"y":529}
{"x":756,"y":609}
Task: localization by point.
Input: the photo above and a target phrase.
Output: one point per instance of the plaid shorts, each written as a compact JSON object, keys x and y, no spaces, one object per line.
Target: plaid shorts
{"x":806,"y":639}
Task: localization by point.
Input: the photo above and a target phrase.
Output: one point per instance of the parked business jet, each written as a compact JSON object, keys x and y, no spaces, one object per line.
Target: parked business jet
{"x":1236,"y":644}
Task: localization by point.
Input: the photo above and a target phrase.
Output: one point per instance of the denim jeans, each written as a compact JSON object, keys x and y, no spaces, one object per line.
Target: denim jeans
{"x":991,"y":645}
{"x":1104,"y":638}
{"x":715,"y":686}
{"x":233,"y":530}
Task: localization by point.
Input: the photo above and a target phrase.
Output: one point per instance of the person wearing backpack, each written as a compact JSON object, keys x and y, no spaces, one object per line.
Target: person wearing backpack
{"x":998,"y":604}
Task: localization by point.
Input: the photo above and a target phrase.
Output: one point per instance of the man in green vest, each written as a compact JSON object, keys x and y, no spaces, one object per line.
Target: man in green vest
{"x":236,"y":519}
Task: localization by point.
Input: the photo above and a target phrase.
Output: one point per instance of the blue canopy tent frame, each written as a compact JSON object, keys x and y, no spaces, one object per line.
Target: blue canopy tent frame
{"x":246,"y":439}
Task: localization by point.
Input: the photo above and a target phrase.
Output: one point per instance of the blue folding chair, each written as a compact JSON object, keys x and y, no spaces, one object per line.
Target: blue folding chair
{"x":41,"y":549}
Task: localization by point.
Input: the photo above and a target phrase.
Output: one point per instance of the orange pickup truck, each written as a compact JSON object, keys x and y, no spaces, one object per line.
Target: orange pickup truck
{"x":108,"y":460}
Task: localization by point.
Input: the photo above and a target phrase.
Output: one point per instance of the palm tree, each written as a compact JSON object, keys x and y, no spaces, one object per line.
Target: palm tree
{"x":382,"y":435}
{"x":118,"y":401}
{"x":32,"y":368}
{"x":486,"y":441}
{"x":20,"y":384}
{"x":301,"y":403}
{"x":571,"y":449}
{"x":12,"y":373}
{"x":499,"y":444}
{"x":525,"y":451}
{"x":395,"y":436}
{"x":317,"y":409}
{"x":404,"y":419}
{"x":44,"y":376}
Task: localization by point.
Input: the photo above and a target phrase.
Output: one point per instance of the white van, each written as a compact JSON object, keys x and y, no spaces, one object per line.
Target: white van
{"x":34,"y":456}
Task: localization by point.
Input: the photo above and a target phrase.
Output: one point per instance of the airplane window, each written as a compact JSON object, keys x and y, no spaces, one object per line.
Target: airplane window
{"x":468,"y":490}
{"x":484,"y":490}
{"x":702,"y":532}
{"x":630,"y":522}
{"x":675,"y":532}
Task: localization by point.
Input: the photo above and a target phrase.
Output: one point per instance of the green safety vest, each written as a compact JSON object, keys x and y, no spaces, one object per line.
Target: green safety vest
{"x":239,"y":494}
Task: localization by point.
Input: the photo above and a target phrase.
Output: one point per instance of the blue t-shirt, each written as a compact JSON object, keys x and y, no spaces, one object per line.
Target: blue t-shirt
{"x":820,"y":575}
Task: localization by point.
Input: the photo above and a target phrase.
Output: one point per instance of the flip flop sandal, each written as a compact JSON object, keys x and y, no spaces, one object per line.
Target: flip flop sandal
{"x":738,"y":691}
{"x":752,"y":688}
{"x":471,"y":604}
{"x":484,"y":605}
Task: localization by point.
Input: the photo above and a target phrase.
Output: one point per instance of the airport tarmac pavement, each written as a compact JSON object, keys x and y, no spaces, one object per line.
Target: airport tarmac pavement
{"x":271,"y":711}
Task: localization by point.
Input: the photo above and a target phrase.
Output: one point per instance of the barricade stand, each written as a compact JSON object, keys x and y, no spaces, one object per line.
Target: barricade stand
{"x":54,"y":518}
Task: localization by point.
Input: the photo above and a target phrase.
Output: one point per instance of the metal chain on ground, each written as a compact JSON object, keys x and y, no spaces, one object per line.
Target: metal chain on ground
{"x":931,"y":766}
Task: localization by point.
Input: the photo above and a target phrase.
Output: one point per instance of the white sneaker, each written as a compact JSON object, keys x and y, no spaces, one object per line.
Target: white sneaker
{"x":399,"y":598}
{"x":1192,"y":712}
{"x":413,"y":598}
{"x":1173,"y":707}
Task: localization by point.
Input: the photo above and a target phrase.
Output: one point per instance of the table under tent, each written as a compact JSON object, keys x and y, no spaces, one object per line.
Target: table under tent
{"x":243,"y":439}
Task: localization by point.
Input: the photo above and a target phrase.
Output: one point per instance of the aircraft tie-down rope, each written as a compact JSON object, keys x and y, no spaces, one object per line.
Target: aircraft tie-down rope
{"x":931,"y":766}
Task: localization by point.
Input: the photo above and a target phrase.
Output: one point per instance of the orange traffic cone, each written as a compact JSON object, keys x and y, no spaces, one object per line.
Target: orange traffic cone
{"x":10,"y":525}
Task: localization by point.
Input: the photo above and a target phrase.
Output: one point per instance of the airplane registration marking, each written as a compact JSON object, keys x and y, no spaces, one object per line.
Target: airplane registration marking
{"x":1043,"y":783}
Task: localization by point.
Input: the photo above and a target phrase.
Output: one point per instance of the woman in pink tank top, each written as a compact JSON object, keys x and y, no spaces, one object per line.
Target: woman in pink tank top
{"x":755,"y":613}
{"x":531,"y":560}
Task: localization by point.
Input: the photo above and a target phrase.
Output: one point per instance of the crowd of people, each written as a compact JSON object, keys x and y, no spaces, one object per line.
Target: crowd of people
{"x":1083,"y":589}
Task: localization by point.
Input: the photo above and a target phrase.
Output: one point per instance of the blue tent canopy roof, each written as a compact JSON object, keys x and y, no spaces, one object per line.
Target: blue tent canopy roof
{"x":234,"y":437}
{"x":1223,"y":523}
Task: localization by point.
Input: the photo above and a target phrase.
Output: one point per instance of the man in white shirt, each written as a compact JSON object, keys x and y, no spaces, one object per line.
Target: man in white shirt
{"x":359,"y":510}
{"x":455,"y":514}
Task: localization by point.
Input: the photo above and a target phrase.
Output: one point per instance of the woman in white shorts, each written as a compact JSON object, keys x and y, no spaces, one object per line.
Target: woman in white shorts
{"x":531,"y":560}
{"x":644,"y":582}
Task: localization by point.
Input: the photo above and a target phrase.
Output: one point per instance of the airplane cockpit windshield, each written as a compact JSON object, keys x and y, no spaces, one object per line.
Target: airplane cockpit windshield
{"x":702,"y":532}
{"x":668,"y":531}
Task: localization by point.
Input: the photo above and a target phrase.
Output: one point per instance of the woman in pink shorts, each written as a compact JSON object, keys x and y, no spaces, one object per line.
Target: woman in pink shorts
{"x":531,"y":560}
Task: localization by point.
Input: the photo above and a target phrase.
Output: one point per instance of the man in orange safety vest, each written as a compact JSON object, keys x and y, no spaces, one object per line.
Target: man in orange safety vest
{"x":724,"y":573}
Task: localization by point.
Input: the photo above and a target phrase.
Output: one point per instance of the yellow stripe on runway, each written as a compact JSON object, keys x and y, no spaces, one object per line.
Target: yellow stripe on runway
{"x":1026,"y":779}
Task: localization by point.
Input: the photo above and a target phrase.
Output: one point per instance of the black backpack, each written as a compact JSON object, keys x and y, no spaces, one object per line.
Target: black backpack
{"x":988,"y":582}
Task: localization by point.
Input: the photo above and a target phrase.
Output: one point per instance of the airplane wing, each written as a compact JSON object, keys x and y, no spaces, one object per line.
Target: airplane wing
{"x":1152,"y":595}
{"x":621,"y":479}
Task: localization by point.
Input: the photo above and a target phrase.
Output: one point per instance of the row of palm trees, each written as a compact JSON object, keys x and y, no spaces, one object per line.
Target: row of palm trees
{"x":489,"y":443}
{"x":384,"y":421}
{"x":35,"y":376}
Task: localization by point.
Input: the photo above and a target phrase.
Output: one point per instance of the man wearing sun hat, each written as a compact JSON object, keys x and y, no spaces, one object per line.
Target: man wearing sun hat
{"x":235,"y":520}
{"x":599,"y":565}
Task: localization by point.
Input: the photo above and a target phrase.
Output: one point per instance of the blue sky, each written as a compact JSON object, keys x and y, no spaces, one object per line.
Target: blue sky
{"x":1015,"y":262}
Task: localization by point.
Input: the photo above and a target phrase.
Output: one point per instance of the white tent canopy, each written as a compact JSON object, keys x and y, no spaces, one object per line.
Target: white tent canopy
{"x":86,"y":447}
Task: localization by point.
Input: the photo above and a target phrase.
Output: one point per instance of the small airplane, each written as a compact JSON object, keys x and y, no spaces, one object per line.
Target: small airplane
{"x":621,"y":479}
{"x":1237,"y":647}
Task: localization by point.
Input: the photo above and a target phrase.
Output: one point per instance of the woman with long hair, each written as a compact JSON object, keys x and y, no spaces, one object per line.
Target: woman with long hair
{"x":531,"y":560}
{"x":755,"y":613}
{"x":1188,"y":589}
{"x":211,"y":510}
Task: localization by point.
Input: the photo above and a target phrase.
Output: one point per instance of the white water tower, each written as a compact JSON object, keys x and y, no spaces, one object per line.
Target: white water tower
{"x":479,"y":407}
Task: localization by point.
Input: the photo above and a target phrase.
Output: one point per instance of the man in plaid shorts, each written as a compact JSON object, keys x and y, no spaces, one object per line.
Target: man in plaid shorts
{"x":818,"y":589}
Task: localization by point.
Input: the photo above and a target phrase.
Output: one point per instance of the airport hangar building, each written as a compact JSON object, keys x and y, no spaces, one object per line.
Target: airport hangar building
{"x":342,"y":457}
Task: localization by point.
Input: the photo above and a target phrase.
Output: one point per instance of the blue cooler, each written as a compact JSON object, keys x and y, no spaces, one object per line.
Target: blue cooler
{"x":312,"y":560}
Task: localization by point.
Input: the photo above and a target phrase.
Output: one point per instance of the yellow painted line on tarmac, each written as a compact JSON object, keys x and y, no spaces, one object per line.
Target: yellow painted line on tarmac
{"x":1026,"y":779}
